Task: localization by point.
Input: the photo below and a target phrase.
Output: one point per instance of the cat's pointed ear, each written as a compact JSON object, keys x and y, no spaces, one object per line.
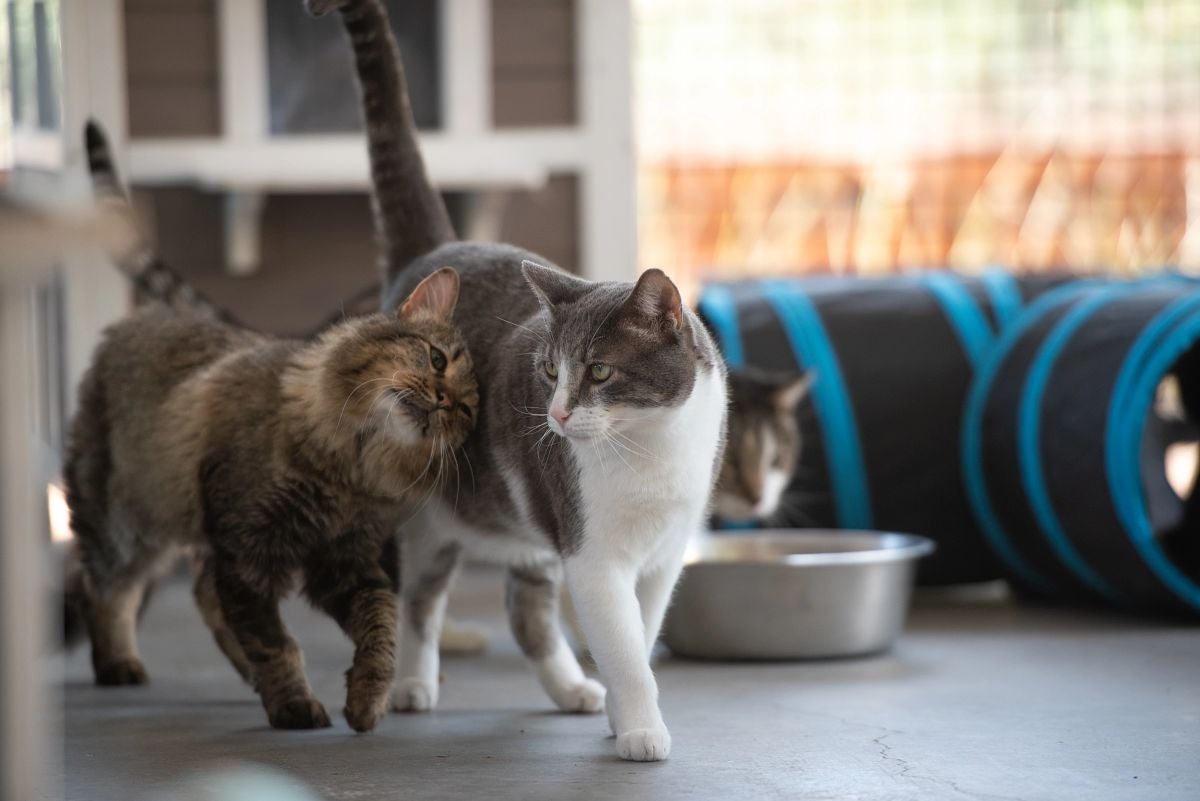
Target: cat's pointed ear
{"x":656,"y":297}
{"x":552,"y":287}
{"x":788,"y":396}
{"x":435,"y":296}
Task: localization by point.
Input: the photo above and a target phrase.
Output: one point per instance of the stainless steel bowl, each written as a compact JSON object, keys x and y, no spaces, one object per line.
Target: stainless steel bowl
{"x":793,"y":594}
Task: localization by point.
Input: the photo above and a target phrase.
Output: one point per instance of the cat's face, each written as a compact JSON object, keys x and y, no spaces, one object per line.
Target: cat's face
{"x":610,"y":359}
{"x":763,"y":446}
{"x":409,"y":375}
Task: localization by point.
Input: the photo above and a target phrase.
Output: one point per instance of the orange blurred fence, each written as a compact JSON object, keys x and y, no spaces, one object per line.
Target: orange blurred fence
{"x":1027,"y":211}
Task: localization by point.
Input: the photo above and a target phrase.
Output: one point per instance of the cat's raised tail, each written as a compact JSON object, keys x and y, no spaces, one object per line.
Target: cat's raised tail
{"x":410,"y":217}
{"x":135,"y":256}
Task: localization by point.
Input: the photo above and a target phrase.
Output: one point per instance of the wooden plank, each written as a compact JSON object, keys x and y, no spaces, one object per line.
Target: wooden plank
{"x":316,"y":250}
{"x":172,"y":68}
{"x":506,"y":5}
{"x":173,"y":111}
{"x":534,"y":37}
{"x":534,"y":55}
{"x":534,"y":100}
{"x":546,"y":221}
{"x":178,"y":46}
{"x":168,"y":6}
{"x":319,"y":249}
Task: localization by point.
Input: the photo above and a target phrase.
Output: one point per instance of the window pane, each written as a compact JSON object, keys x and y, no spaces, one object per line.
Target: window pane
{"x":45,"y":37}
{"x":15,"y":73}
{"x":311,"y":75}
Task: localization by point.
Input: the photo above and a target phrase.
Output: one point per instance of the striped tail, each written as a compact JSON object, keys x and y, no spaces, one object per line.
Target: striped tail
{"x":410,"y":217}
{"x":152,"y":278}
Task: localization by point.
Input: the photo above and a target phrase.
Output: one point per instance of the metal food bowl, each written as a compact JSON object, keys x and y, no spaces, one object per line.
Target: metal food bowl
{"x":793,"y":594}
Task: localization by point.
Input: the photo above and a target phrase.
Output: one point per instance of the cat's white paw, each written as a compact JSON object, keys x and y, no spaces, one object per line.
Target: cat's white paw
{"x":587,"y":696}
{"x":644,"y":745}
{"x":414,"y":695}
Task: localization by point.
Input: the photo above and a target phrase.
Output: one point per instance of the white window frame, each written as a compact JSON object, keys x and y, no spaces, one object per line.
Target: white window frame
{"x":466,"y":153}
{"x":31,"y":146}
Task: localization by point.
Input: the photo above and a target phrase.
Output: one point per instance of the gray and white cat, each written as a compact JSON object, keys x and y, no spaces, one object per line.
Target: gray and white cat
{"x":764,"y":444}
{"x":597,"y":444}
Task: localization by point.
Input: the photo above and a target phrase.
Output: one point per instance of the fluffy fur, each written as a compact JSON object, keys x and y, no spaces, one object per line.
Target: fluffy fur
{"x":597,"y":443}
{"x":279,"y":464}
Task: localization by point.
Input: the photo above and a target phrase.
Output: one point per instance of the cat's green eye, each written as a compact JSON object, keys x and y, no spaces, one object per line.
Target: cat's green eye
{"x":437,"y":359}
{"x":601,"y":371}
{"x":551,"y":370}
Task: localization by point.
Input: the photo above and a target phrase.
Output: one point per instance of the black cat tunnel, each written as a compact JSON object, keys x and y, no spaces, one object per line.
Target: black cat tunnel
{"x":1064,"y":451}
{"x":1012,"y":421}
{"x":894,"y":358}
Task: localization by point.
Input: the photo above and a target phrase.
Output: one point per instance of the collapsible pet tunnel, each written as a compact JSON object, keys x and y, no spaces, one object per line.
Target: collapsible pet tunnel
{"x":1064,"y":456}
{"x":894,"y":358}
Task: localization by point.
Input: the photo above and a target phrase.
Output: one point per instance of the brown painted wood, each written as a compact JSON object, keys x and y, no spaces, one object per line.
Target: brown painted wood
{"x":534,"y":35}
{"x":169,"y":111}
{"x":320,"y":249}
{"x":176,"y":46}
{"x":172,"y":68}
{"x":546,"y":221}
{"x":534,"y":77}
{"x":532,"y":101}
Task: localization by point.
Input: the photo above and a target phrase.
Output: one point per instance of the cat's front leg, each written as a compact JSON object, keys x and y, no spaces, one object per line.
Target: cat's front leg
{"x":278,"y":664}
{"x":532,"y":601}
{"x":654,"y":594}
{"x":604,"y":592}
{"x":427,"y":568}
{"x":359,"y":595}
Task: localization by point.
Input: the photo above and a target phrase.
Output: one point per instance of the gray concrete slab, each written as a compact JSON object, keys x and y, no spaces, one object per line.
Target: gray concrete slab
{"x":982,"y":699}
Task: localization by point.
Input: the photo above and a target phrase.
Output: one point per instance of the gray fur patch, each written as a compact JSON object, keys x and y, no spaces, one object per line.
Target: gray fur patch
{"x":532,"y":603}
{"x":433,"y":582}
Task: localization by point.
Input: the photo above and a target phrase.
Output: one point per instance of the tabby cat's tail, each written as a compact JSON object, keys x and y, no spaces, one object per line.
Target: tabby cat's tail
{"x":137,"y":259}
{"x":410,"y":217}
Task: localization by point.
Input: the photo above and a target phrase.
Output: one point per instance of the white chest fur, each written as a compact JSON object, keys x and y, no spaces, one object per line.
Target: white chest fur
{"x":646,"y":491}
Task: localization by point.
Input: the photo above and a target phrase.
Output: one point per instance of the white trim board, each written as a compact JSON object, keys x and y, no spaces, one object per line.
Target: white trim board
{"x":517,"y":159}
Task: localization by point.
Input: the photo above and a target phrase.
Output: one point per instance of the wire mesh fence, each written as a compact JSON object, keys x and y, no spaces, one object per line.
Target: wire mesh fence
{"x":778,"y":136}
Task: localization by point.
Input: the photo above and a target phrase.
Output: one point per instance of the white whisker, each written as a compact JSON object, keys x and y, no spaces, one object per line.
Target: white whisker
{"x":532,"y":429}
{"x":470,"y":468}
{"x":540,"y":337}
{"x":351,"y":395}
{"x":609,"y":441}
{"x":636,"y":451}
{"x":526,"y":411}
{"x":636,"y":448}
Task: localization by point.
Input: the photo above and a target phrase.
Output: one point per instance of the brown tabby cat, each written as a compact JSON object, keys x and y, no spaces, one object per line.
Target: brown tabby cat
{"x":280,"y":463}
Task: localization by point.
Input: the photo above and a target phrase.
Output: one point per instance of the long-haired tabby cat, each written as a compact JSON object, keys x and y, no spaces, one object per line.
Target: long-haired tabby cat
{"x":281,"y":463}
{"x":764,"y":444}
{"x":597,"y":444}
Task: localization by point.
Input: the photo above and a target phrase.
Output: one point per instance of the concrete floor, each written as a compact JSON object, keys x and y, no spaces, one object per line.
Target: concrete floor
{"x":980,"y":700}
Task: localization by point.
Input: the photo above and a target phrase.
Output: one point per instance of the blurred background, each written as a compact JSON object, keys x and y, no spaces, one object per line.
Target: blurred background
{"x":868,"y":136}
{"x":710,"y":138}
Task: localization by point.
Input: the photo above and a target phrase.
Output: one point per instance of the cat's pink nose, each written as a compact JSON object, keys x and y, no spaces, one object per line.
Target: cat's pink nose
{"x":560,"y":415}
